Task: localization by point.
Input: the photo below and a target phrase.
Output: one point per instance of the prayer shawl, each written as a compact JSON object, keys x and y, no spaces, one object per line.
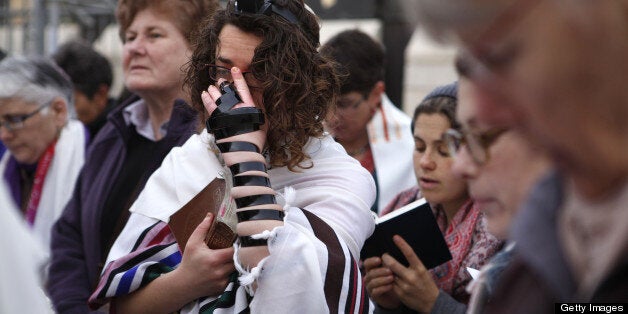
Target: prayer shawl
{"x":22,"y":268}
{"x":312,"y":263}
{"x":69,"y":156}
{"x":392,"y":144}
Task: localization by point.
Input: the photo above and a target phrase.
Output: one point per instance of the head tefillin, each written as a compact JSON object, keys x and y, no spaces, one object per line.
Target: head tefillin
{"x":265,"y":7}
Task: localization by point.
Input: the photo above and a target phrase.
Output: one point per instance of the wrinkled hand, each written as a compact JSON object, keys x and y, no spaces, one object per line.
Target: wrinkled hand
{"x":212,"y":94}
{"x":379,"y":282}
{"x":414,"y":284}
{"x":205,"y":270}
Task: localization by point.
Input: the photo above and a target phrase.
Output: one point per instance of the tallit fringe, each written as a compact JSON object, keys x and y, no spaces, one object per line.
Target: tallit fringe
{"x":248,"y":277}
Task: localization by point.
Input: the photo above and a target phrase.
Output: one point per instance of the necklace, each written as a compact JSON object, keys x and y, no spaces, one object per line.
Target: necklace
{"x":359,"y":151}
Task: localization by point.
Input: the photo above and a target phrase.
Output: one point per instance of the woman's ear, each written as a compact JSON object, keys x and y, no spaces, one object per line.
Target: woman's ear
{"x":375,"y":96}
{"x":59,"y":110}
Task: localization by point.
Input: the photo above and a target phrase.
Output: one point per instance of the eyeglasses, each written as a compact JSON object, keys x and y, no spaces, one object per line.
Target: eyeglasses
{"x":477,"y":144}
{"x":16,"y":122}
{"x":217,"y":72}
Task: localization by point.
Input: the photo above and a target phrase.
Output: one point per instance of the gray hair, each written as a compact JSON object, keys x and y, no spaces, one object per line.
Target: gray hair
{"x":35,"y":80}
{"x":446,"y":20}
{"x":443,"y":18}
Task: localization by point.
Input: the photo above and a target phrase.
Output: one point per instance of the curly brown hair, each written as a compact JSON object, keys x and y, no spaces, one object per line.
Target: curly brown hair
{"x":184,"y":14}
{"x":299,"y":84}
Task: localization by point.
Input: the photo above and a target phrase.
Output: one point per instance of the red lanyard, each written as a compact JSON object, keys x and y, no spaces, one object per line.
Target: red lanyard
{"x":38,"y":183}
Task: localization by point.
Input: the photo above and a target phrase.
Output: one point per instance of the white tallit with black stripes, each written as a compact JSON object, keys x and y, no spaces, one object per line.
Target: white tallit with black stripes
{"x":312,"y":266}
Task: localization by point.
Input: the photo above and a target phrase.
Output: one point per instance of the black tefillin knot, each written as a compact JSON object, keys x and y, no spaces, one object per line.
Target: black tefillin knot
{"x":229,"y":97}
{"x":226,"y":121}
{"x":265,"y":7}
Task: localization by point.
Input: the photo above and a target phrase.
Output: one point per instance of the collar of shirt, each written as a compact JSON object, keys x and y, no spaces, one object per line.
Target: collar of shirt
{"x":137,"y":114}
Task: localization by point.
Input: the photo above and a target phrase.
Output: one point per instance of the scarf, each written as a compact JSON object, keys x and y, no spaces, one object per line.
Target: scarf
{"x":57,"y":184}
{"x":459,"y":236}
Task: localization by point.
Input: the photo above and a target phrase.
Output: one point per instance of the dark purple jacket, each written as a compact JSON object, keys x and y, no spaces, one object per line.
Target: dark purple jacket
{"x":76,"y":242}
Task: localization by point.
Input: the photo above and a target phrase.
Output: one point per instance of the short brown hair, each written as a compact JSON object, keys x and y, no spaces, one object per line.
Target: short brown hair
{"x":359,"y":58}
{"x":186,"y":15}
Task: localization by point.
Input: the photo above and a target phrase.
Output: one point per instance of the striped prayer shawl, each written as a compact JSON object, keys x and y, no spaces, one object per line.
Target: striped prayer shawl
{"x":340,"y":265}
{"x":156,"y":252}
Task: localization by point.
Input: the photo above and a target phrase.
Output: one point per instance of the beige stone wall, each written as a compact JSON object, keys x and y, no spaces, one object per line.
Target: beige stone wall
{"x":428,"y":65}
{"x":109,"y":44}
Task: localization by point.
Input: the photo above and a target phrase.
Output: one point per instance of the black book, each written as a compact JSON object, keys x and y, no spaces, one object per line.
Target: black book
{"x":416,"y":224}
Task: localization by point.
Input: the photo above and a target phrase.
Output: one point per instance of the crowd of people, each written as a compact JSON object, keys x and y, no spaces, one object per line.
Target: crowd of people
{"x":523,"y":162}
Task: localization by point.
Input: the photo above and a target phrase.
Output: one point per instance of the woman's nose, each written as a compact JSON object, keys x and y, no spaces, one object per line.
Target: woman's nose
{"x":5,"y":133}
{"x":463,"y":164}
{"x":136,"y":46}
{"x":426,"y":161}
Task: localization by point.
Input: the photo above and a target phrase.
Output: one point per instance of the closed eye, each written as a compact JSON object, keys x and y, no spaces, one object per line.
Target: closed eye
{"x":129,"y":37}
{"x":442,"y":149}
{"x":419,"y":145}
{"x":155,"y":35}
{"x":13,"y":118}
{"x":489,"y":137}
{"x":499,"y":59}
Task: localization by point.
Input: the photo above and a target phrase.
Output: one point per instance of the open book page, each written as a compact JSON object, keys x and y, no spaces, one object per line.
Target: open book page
{"x":473,"y":272}
{"x":401,"y":210}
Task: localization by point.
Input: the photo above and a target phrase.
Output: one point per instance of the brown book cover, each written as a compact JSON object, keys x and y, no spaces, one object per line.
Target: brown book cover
{"x":222,"y":231}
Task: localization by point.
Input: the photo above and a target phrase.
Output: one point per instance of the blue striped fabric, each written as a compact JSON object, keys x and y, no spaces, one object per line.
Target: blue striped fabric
{"x":156,"y":252}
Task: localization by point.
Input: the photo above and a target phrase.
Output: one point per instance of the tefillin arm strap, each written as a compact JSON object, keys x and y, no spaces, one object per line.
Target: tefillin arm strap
{"x":225,"y":122}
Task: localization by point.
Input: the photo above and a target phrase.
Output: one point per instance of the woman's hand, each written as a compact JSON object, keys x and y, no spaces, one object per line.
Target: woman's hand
{"x":248,"y":257}
{"x":379,"y":282}
{"x":202,"y":272}
{"x":414,"y":284}
{"x":212,"y":94}
{"x":206,"y":270}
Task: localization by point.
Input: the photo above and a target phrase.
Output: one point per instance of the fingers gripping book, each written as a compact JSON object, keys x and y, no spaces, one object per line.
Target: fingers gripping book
{"x":416,"y":224}
{"x":212,"y":199}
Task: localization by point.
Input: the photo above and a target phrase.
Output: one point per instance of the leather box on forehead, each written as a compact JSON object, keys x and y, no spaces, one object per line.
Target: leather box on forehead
{"x":210,"y":199}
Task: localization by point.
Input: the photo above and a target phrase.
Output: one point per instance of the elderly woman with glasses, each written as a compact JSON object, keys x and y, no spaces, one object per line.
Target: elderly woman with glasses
{"x":46,"y":146}
{"x":302,"y":204}
{"x":574,"y":104}
{"x":500,"y":168}
{"x":398,"y":289}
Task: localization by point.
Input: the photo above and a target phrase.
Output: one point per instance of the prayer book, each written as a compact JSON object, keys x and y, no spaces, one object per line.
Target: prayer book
{"x":416,"y":224}
{"x":215,"y":199}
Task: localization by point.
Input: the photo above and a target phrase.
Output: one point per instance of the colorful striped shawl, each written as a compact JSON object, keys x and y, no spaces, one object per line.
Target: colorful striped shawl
{"x":155,"y":252}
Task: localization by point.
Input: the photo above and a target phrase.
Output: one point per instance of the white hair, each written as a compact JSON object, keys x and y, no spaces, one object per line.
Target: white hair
{"x":35,"y":80}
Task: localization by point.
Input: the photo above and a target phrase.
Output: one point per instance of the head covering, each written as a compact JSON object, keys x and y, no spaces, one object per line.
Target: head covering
{"x":450,"y":90}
